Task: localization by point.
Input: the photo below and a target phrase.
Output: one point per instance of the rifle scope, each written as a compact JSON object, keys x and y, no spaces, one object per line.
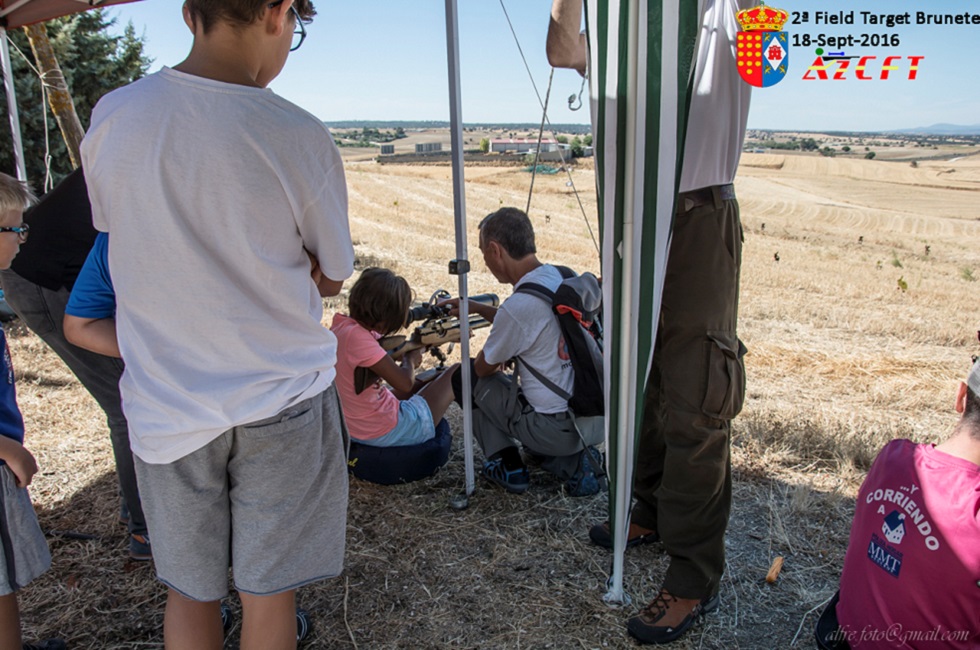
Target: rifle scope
{"x":430,"y":310}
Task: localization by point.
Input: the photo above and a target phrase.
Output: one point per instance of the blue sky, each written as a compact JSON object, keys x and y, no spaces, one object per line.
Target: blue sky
{"x":386,"y":60}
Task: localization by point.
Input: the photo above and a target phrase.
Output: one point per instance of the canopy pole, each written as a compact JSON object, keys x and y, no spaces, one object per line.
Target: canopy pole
{"x":627,"y":368}
{"x":459,"y":212}
{"x":8,"y":85}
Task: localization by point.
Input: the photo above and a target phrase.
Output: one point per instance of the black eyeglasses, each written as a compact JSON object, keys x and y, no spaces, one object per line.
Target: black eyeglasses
{"x":21,"y":230}
{"x":299,"y":33}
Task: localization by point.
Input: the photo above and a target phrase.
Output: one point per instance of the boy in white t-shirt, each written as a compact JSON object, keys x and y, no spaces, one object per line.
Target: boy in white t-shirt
{"x":214,"y":189}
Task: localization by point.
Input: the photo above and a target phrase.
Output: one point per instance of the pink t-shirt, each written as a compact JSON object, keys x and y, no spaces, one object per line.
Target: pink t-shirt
{"x":911,"y":575}
{"x":374,"y":412}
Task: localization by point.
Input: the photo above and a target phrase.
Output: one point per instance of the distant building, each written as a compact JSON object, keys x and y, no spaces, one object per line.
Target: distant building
{"x":521,"y":145}
{"x":428,"y":147}
{"x":387,"y":149}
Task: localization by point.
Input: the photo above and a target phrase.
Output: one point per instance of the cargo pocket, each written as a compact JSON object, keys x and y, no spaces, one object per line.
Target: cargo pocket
{"x":725,"y":386}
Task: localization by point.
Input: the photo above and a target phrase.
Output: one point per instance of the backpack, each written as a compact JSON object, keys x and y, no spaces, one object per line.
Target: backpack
{"x":577,"y":304}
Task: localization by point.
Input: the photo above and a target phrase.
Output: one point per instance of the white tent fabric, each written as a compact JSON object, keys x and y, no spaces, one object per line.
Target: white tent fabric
{"x":641,"y":53}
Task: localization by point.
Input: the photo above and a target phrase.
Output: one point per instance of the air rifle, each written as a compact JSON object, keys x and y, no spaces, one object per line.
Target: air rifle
{"x":437,"y":328}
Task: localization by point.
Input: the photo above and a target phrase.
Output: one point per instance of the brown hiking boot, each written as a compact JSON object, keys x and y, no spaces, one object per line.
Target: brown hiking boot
{"x":667,"y":617}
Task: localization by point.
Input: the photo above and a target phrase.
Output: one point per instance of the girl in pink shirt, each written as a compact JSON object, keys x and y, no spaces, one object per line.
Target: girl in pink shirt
{"x":389,"y":427}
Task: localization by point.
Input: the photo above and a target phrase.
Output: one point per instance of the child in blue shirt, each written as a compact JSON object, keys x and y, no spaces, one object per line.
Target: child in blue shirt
{"x":26,"y":555}
{"x":90,"y":315}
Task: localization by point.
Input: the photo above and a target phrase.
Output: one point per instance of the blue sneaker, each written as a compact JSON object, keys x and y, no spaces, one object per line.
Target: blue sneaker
{"x":227,"y":617}
{"x":47,"y":644}
{"x":303,"y":625}
{"x":590,"y":477}
{"x":515,"y":481}
{"x":303,"y":622}
{"x":139,"y":548}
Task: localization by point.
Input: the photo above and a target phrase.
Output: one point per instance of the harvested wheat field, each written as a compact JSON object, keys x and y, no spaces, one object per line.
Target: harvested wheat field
{"x":859,"y":311}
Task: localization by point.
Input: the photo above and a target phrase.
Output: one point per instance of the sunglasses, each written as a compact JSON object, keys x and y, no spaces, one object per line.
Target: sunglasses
{"x":21,"y":230}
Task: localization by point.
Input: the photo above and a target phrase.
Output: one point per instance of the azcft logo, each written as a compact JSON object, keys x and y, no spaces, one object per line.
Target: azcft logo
{"x":834,"y":67}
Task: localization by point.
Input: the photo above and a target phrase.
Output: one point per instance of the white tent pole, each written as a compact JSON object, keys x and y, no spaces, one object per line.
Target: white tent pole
{"x":8,"y":84}
{"x":627,"y":361}
{"x":459,"y":211}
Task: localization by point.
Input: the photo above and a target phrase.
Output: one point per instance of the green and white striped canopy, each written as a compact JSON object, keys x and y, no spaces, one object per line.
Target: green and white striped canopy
{"x":641,"y":56}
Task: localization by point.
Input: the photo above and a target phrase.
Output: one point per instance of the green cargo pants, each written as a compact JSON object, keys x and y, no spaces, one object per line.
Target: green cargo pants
{"x":683,"y":483}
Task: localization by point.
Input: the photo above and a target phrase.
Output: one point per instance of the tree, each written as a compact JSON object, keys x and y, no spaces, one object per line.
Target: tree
{"x":577,"y":149}
{"x":870,"y":155}
{"x":93,"y":62}
{"x":59,"y":96}
{"x":845,"y":148}
{"x":485,"y":145}
{"x":561,"y":139}
{"x":587,"y":140}
{"x":809,"y":144}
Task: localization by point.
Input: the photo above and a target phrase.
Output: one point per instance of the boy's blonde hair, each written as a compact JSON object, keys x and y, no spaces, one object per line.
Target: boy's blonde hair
{"x":15,"y":194}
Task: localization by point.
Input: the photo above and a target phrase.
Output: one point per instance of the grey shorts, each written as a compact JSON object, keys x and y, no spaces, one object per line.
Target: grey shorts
{"x":23,"y":550}
{"x":267,"y":498}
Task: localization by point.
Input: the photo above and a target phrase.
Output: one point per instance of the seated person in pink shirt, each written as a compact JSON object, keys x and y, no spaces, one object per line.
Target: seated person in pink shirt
{"x":911,"y":575}
{"x":393,"y":436}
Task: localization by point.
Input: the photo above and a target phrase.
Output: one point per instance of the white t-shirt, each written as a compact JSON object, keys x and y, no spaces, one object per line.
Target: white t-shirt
{"x":211,"y":192}
{"x":526,"y":326}
{"x":720,"y":101}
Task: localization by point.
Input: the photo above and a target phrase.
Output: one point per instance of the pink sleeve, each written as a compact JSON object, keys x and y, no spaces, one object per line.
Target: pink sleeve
{"x":363,"y":349}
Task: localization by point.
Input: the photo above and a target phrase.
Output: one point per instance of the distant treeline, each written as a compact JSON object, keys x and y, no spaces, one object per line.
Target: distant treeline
{"x":434,"y":124}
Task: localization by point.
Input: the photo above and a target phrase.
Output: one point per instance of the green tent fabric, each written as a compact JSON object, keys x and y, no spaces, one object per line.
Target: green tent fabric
{"x":640,"y":57}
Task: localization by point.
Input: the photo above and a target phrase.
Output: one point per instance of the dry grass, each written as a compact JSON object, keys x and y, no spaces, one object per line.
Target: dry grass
{"x":841,"y":360}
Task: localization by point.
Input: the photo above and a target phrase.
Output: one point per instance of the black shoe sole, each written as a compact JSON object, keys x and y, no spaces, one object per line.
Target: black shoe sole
{"x":654,"y":635}
{"x":600,"y":536}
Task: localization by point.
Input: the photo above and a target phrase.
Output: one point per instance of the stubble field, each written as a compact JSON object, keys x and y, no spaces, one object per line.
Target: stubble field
{"x":858,"y":307}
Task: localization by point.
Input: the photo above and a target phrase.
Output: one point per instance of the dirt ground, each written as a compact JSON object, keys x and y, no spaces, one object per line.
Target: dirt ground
{"x":842,"y":359}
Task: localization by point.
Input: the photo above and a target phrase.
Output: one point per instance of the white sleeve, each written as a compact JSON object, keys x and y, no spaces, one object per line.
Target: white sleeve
{"x":325,"y":229}
{"x":506,"y":339}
